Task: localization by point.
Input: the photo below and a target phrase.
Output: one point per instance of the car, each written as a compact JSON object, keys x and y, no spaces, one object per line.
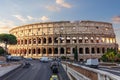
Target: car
{"x":44,"y":59}
{"x":92,"y":63}
{"x":26,"y":65}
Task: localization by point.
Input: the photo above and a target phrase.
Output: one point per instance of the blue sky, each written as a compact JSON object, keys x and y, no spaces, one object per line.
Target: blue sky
{"x":19,"y":12}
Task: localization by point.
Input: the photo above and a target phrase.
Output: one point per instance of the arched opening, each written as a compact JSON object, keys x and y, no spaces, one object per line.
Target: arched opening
{"x":21,"y":41}
{"x":29,"y":51}
{"x":29,"y":41}
{"x":87,"y":50}
{"x":98,"y":50}
{"x":61,"y":50}
{"x":38,"y":50}
{"x":49,"y":51}
{"x":93,"y":50}
{"x":44,"y":51}
{"x":55,"y":40}
{"x":81,"y":50}
{"x":39,"y":41}
{"x":44,"y":40}
{"x":34,"y":41}
{"x":73,"y":50}
{"x":68,"y":50}
{"x":80,"y":40}
{"x":25,"y":41}
{"x":55,"y":50}
{"x":103,"y":50}
{"x":33,"y":51}
{"x":49,"y":40}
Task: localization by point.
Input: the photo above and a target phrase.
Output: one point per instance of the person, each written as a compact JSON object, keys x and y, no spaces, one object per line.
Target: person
{"x":54,"y":77}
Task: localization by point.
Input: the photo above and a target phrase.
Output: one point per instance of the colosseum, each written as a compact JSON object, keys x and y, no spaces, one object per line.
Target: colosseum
{"x":56,"y":39}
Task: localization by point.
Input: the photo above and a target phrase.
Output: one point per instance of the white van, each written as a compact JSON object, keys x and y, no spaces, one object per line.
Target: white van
{"x":44,"y":59}
{"x":92,"y":63}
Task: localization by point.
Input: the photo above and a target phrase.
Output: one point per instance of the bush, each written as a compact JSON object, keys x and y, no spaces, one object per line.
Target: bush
{"x":2,"y":51}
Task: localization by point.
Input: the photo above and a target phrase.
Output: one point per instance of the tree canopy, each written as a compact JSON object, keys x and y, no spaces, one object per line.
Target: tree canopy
{"x":8,"y":39}
{"x":110,"y":55}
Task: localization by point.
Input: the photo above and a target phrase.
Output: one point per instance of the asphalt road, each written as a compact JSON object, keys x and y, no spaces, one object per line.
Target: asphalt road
{"x":37,"y":71}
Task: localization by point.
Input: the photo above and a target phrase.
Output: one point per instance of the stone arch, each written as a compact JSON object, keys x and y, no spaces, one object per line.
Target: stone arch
{"x":49,"y":40}
{"x":55,"y":50}
{"x":87,"y":50}
{"x":49,"y":51}
{"x":61,"y":50}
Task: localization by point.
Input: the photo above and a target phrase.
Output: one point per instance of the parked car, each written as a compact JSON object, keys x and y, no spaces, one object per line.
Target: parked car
{"x":44,"y":59}
{"x":26,"y":65}
{"x":92,"y":63}
{"x":14,"y":58}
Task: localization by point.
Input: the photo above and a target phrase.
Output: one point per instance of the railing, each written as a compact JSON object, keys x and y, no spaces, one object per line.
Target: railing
{"x":78,"y":72}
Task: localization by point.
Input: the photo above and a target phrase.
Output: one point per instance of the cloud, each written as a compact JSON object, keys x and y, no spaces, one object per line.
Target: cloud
{"x":21,"y":18}
{"x":53,"y":8}
{"x":44,"y":18}
{"x":63,"y":3}
{"x":6,"y":25}
{"x":59,"y":4}
{"x":116,"y":19}
{"x":30,"y":18}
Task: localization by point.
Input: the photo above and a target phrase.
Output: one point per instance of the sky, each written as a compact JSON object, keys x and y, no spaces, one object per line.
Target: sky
{"x":20,"y":12}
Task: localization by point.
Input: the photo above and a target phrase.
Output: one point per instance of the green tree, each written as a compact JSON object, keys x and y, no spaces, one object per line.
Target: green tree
{"x":76,"y":54}
{"x":1,"y":51}
{"x":8,"y":39}
{"x":109,"y":55}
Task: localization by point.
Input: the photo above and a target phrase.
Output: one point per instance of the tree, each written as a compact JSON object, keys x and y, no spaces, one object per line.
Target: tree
{"x":109,"y":55}
{"x":1,"y":51}
{"x":76,"y":54}
{"x":8,"y":39}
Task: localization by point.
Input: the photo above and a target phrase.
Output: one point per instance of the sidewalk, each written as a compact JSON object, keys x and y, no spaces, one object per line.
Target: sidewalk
{"x":62,"y":73}
{"x":6,"y":69}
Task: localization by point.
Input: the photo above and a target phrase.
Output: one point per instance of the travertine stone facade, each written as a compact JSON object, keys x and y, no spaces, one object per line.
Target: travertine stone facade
{"x":55,"y":39}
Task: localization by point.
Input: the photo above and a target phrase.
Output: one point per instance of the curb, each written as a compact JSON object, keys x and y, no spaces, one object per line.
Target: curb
{"x":1,"y":77}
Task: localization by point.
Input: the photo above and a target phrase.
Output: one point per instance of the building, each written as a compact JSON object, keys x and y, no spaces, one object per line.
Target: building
{"x":56,"y":39}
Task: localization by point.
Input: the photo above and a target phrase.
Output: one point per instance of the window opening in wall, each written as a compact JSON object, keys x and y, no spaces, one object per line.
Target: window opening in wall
{"x":68,"y":40}
{"x":44,"y":40}
{"x":103,"y":50}
{"x":62,"y":51}
{"x":93,"y":50}
{"x":73,"y":50}
{"x":80,"y":39}
{"x":97,"y":40}
{"x":44,"y":51}
{"x":29,"y":41}
{"x":49,"y":40}
{"x":68,"y":50}
{"x":92,"y":40}
{"x":86,"y":40}
{"x":55,"y":40}
{"x":74,"y":40}
{"x":39,"y":40}
{"x":98,"y":50}
{"x":34,"y":41}
{"x":38,"y":50}
{"x":29,"y":51}
{"x":87,"y":50}
{"x":49,"y":51}
{"x":33,"y":51}
{"x":81,"y":50}
{"x":55,"y":50}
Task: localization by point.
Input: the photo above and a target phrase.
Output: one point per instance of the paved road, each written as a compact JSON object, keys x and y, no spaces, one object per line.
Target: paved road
{"x":37,"y":71}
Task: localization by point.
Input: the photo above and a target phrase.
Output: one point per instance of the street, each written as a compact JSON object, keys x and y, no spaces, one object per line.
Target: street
{"x":37,"y":71}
